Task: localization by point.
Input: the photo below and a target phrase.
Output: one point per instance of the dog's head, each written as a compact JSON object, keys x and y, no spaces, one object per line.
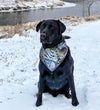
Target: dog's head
{"x":50,"y":31}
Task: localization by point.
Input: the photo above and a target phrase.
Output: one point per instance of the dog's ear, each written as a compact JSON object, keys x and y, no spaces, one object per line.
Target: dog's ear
{"x":62,"y":27}
{"x":38,"y":26}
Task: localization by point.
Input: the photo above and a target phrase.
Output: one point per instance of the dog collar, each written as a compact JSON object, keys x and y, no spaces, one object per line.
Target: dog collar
{"x":53,"y":57}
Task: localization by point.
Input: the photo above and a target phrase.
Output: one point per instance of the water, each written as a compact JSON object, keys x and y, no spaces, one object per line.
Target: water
{"x":12,"y":18}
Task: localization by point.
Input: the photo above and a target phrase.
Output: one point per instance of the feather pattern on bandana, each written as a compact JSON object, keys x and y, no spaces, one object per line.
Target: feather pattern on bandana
{"x":53,"y":57}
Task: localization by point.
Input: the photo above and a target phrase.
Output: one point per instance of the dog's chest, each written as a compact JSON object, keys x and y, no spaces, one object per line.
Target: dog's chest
{"x":53,"y":57}
{"x":56,"y":81}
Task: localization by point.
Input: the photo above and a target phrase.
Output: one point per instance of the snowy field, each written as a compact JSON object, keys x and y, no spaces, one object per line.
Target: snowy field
{"x":11,"y":5}
{"x":19,"y":70}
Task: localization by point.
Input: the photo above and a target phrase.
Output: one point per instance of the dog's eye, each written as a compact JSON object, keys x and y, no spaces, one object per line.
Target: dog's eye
{"x":51,"y":27}
{"x":43,"y":26}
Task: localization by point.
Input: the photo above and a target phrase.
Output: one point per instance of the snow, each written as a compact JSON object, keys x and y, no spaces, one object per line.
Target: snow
{"x":19,"y":57}
{"x":8,"y":5}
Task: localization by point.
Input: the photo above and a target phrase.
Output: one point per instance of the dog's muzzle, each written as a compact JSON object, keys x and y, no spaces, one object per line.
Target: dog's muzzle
{"x":42,"y":37}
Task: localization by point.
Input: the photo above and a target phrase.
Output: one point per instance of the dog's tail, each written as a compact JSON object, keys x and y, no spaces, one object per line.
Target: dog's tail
{"x":66,"y":37}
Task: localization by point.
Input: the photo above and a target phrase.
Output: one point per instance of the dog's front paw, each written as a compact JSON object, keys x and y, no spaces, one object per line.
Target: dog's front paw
{"x":38,"y":103}
{"x":75,"y":102}
{"x":68,"y":95}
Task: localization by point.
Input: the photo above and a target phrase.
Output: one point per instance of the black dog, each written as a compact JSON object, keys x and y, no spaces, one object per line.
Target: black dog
{"x":55,"y":79}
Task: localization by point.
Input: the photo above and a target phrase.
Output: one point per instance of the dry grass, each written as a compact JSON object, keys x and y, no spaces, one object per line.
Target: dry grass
{"x":20,"y":28}
{"x":92,"y":18}
{"x":74,"y":20}
{"x":71,"y":20}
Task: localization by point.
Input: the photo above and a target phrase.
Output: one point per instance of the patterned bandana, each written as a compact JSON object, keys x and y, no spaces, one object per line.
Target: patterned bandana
{"x":53,"y":57}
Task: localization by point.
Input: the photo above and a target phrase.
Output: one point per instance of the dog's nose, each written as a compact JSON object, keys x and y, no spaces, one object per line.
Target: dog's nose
{"x":43,"y":36}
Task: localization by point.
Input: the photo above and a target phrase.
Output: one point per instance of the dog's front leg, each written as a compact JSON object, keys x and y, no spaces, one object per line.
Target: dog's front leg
{"x":73,"y":92}
{"x":40,"y":91}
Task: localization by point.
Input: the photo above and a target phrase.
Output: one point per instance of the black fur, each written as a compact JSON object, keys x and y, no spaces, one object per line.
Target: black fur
{"x":61,"y":81}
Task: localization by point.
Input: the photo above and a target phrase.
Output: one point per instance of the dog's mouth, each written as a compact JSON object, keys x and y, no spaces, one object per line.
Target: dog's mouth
{"x":45,"y":42}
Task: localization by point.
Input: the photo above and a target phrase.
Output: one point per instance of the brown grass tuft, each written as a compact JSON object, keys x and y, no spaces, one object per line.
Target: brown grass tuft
{"x":90,"y":18}
{"x":18,"y":29}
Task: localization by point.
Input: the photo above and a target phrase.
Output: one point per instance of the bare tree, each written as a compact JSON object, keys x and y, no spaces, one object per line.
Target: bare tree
{"x":90,"y":3}
{"x":87,"y":5}
{"x":83,"y":8}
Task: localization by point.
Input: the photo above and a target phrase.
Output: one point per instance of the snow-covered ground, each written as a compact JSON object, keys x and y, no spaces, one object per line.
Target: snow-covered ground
{"x":9,"y":5}
{"x":19,"y":70}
